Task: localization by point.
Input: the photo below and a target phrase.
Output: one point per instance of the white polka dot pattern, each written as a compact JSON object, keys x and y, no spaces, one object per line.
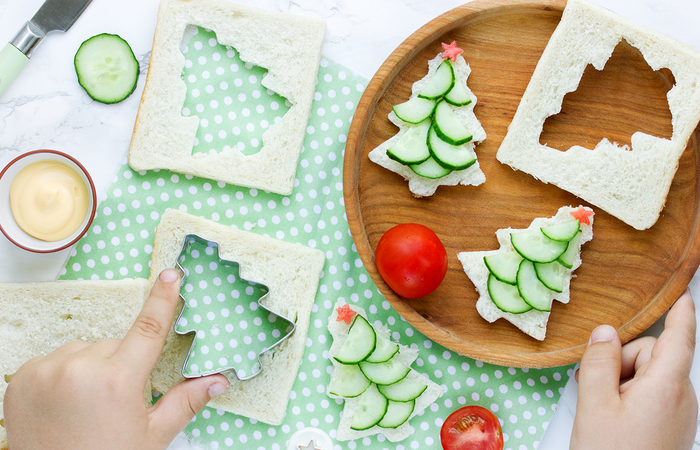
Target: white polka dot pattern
{"x":120,"y":242}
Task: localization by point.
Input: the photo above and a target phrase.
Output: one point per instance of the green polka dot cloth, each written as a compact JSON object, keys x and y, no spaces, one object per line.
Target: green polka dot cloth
{"x":226,"y":94}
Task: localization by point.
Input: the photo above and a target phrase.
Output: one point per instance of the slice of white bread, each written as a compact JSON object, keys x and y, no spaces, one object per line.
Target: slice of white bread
{"x":288,"y":46}
{"x":291,"y":272}
{"x":406,"y":355}
{"x":425,"y":187}
{"x":630,"y":185}
{"x":533,"y":323}
{"x":37,"y":318}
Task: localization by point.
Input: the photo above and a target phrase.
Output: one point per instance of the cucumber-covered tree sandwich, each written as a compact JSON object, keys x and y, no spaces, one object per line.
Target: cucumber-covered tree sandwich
{"x":373,"y":375}
{"x":531,"y":269}
{"x":438,"y":129}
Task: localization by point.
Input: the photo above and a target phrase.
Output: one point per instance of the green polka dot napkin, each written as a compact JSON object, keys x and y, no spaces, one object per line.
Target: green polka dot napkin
{"x":120,"y":241}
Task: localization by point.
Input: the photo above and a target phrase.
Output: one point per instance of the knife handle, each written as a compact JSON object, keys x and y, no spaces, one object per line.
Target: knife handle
{"x":11,"y":62}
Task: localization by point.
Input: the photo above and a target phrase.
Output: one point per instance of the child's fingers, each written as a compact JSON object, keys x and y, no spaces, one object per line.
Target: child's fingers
{"x":674,"y":350}
{"x":599,"y":374}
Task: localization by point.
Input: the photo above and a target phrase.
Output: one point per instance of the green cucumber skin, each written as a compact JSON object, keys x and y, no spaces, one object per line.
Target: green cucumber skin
{"x":371,"y":403}
{"x":569,"y":256}
{"x":434,"y":143}
{"x":531,"y":289}
{"x":442,"y":93}
{"x":397,"y":413}
{"x":516,"y":308}
{"x":553,"y":232}
{"x":555,"y":285}
{"x":373,"y":372}
{"x":339,"y":386}
{"x":511,"y":278}
{"x":443,"y":134}
{"x":398,"y":391}
{"x":356,"y":359}
{"x":417,"y":119}
{"x":384,"y":352}
{"x":420,"y":149}
{"x":430,"y":169}
{"x":521,"y":246}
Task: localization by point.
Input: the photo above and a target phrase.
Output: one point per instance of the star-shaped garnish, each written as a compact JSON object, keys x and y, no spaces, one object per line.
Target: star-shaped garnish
{"x":345,"y":314}
{"x":310,"y":446}
{"x":451,"y":51}
{"x":583,"y":215}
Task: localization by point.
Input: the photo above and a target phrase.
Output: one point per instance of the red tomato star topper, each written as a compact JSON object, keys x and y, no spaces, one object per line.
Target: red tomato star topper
{"x":345,"y":314}
{"x":583,"y":215}
{"x":451,"y":51}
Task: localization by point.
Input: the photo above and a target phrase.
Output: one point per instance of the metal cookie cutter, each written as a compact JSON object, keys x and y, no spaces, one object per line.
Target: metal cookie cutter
{"x":290,"y":328}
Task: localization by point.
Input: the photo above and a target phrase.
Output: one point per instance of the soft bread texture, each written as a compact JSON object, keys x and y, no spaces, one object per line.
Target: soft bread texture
{"x":406,"y":355}
{"x":288,"y":46}
{"x":292,"y":273}
{"x":425,"y":187}
{"x":533,"y":323}
{"x":37,"y":318}
{"x":630,"y":185}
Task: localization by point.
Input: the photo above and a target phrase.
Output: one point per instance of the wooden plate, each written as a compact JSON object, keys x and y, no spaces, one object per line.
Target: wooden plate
{"x":628,"y":279}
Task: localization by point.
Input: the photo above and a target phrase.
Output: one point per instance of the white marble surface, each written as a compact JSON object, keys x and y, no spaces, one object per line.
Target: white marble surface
{"x":46,"y":108}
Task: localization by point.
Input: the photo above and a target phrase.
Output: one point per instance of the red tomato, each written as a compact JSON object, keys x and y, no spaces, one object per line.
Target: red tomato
{"x":411,"y":259}
{"x":471,"y":428}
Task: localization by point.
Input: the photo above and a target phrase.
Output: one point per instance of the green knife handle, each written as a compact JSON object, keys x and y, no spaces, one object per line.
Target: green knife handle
{"x":11,"y":62}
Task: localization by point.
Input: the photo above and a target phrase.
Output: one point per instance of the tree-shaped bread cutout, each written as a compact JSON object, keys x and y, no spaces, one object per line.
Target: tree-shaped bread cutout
{"x":227,"y":314}
{"x":226,"y":94}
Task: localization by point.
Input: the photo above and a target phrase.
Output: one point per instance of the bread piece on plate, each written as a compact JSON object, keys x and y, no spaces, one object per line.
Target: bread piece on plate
{"x":406,"y":355}
{"x":288,"y":46}
{"x":37,"y":318}
{"x":291,"y":272}
{"x":630,"y":185}
{"x":422,"y":186}
{"x":533,"y":322}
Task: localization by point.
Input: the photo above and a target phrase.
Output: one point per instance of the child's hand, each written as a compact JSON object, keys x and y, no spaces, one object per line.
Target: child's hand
{"x":88,"y":396}
{"x":639,"y":396}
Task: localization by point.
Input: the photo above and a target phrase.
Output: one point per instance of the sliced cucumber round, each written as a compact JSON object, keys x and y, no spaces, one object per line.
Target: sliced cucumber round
{"x":412,"y":147}
{"x":359,"y":343}
{"x":504,"y":265}
{"x":531,"y":289}
{"x":568,"y":258}
{"x":107,"y":68}
{"x":564,"y":231}
{"x":388,"y":372}
{"x":441,"y":83}
{"x":458,"y":95}
{"x":506,"y":296}
{"x":430,"y":169}
{"x":537,"y":247}
{"x":384,"y":350}
{"x":403,"y":391}
{"x":370,"y":409}
{"x":416,"y":110}
{"x":348,"y":381}
{"x":551,"y":274}
{"x":453,"y":157}
{"x":448,"y":126}
{"x":397,"y":413}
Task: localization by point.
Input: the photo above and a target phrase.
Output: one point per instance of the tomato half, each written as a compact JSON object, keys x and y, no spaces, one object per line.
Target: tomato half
{"x":471,"y":428}
{"x":411,"y":260}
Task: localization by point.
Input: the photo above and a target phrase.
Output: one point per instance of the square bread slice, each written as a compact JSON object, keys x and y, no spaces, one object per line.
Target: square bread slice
{"x":37,"y":318}
{"x":288,"y":46}
{"x":291,"y":272}
{"x":630,"y":185}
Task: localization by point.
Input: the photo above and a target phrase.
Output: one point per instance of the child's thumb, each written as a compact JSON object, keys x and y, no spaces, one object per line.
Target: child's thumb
{"x":599,"y":374}
{"x":174,"y":411}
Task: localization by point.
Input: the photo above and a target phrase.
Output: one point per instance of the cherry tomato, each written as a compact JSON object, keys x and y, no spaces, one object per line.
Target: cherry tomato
{"x":471,"y":428}
{"x":411,"y":260}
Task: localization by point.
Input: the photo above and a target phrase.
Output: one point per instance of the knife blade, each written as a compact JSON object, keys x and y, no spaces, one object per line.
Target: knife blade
{"x":53,"y":15}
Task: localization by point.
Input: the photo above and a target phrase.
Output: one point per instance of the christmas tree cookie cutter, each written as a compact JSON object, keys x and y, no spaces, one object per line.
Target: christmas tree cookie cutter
{"x":188,"y":242}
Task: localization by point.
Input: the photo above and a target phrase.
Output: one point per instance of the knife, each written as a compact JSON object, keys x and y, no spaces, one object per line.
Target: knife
{"x":54,"y":15}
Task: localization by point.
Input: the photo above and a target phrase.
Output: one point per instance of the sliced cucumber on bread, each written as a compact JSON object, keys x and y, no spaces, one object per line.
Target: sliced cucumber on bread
{"x":412,"y":146}
{"x":441,"y":83}
{"x":359,"y":343}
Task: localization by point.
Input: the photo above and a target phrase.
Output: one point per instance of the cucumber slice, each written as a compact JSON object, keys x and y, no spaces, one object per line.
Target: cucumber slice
{"x":448,"y":126}
{"x":430,"y":169}
{"x":441,"y":83}
{"x":348,"y":381}
{"x":384,"y":351}
{"x":504,"y":266}
{"x":506,"y":296}
{"x":403,"y":391}
{"x":551,"y":274}
{"x":412,"y":147}
{"x":458,"y":95}
{"x":453,"y":157}
{"x":537,"y":247}
{"x":416,"y":110}
{"x":564,"y":231}
{"x":371,"y":408}
{"x":397,"y":413}
{"x":107,"y":68}
{"x":569,"y":256}
{"x":531,"y":289}
{"x":359,"y":343}
{"x":388,"y":372}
